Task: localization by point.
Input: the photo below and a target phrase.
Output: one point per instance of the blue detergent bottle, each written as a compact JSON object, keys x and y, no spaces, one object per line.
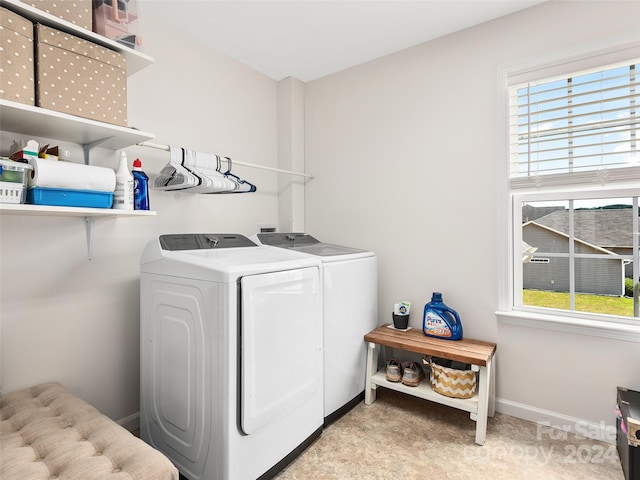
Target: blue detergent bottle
{"x":140,"y":187}
{"x":441,"y":321}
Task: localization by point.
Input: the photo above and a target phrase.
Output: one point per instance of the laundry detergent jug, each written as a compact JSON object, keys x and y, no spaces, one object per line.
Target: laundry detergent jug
{"x":441,"y":321}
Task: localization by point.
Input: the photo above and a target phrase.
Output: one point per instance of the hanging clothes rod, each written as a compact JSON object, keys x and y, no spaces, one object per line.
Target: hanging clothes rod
{"x":159,"y":146}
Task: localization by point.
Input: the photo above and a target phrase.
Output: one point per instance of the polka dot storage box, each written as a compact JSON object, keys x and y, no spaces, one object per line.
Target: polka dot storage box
{"x":79,"y":77}
{"x":77,"y":12}
{"x":16,"y":50}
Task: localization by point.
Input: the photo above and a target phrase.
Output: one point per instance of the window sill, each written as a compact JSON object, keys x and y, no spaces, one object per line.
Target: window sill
{"x":596,"y":328}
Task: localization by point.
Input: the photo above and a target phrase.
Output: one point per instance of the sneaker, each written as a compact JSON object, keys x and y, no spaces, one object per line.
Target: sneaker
{"x":394,"y":370}
{"x":412,"y":374}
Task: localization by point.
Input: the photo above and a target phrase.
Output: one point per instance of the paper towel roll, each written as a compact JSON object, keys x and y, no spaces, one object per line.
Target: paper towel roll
{"x":71,"y":176}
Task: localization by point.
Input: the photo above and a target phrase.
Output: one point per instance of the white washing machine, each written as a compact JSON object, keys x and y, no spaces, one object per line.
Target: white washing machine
{"x":350,"y":289}
{"x":231,"y":354}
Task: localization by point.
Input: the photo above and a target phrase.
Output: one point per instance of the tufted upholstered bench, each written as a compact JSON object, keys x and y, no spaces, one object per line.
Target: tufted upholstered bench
{"x":49,"y":433}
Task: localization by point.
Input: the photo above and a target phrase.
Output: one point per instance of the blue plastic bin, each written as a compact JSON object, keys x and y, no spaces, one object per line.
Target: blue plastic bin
{"x":69,"y":198}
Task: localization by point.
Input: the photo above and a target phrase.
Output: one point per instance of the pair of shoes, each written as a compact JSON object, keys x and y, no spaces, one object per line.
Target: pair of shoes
{"x":394,"y":370}
{"x":412,"y":373}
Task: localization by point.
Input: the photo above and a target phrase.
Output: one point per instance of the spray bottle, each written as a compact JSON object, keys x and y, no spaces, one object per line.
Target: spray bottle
{"x":123,"y":194}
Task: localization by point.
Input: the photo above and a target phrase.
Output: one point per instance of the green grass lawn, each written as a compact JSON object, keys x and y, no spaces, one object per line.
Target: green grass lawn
{"x":584,"y":303}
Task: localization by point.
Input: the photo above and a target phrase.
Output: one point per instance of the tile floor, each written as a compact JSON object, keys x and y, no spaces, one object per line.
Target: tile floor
{"x":406,"y":438}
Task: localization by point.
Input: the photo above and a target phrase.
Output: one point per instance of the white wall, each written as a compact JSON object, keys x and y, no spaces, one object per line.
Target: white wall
{"x":406,"y":157}
{"x":77,"y":321}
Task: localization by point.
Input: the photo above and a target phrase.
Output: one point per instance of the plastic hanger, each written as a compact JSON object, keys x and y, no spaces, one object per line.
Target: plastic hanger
{"x":243,"y":185}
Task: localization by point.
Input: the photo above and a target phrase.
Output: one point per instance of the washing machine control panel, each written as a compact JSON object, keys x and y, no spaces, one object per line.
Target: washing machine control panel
{"x":203,"y":241}
{"x":287,"y":239}
{"x":303,"y":242}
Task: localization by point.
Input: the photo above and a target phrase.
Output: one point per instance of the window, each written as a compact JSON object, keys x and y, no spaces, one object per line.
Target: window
{"x":580,"y":252}
{"x":575,"y":187}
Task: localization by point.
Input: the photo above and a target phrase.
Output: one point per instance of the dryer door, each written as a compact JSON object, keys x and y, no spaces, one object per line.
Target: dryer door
{"x":281,"y":342}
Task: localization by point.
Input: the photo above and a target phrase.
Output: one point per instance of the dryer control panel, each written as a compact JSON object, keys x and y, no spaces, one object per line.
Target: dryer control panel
{"x":204,"y":241}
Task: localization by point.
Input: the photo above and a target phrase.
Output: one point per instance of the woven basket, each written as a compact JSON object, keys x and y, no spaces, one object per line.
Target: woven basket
{"x":452,"y":382}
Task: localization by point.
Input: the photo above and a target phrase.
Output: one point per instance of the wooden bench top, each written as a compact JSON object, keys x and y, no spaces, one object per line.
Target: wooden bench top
{"x":467,"y":350}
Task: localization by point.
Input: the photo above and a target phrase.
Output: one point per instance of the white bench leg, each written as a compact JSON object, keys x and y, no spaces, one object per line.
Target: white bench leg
{"x":484,"y":388}
{"x":372,"y":367}
{"x":491,"y":368}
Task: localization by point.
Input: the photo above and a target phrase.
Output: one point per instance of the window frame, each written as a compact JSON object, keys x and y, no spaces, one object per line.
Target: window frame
{"x":623,"y":48}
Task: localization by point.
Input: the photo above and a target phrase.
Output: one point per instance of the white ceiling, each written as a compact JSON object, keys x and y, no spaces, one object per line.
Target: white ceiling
{"x":308,"y":39}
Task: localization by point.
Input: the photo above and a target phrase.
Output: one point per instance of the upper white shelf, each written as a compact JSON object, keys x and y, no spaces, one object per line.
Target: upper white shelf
{"x":135,"y":60}
{"x":36,"y":121}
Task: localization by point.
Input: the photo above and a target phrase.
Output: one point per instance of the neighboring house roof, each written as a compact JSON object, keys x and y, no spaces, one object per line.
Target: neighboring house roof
{"x":530,"y":213}
{"x":605,"y":228}
{"x":564,"y":235}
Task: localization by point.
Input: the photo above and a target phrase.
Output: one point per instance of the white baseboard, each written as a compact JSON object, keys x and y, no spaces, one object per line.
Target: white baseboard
{"x":557,"y":426}
{"x":131,"y":423}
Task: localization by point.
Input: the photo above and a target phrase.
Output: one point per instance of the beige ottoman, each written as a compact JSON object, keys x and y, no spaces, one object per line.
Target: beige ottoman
{"x":49,"y":433}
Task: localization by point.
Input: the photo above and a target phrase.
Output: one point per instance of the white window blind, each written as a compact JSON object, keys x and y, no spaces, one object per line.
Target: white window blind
{"x":576,"y":129}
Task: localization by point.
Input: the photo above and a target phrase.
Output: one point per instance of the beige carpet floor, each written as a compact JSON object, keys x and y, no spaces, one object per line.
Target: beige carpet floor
{"x":406,"y":438}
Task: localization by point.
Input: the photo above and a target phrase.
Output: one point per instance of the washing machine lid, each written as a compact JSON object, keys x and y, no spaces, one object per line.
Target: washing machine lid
{"x":217,"y":257}
{"x":305,"y":243}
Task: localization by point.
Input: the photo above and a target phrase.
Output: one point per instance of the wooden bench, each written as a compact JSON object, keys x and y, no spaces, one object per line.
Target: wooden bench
{"x":475,"y":352}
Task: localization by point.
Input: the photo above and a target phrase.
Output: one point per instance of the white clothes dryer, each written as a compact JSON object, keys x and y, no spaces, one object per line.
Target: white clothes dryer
{"x":231,"y":354}
{"x":350,"y":304}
